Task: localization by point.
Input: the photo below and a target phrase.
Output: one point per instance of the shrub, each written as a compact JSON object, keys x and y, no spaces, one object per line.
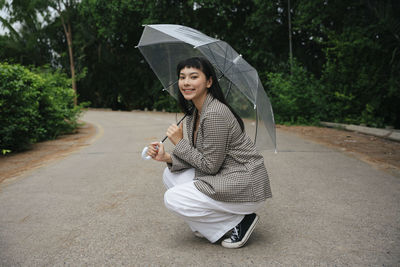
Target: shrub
{"x":19,"y":107}
{"x":167,"y":102}
{"x":56,"y":105}
{"x":34,"y":106}
{"x":296,"y":98}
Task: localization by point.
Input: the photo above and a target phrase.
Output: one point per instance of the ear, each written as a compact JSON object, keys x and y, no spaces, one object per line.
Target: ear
{"x":209,"y":82}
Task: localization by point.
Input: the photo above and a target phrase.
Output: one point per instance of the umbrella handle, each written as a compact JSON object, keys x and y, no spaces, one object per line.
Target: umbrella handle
{"x":144,"y":153}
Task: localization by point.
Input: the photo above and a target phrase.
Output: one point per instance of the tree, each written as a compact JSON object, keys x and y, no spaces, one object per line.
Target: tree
{"x":34,"y":15}
{"x":27,"y":44}
{"x":353,"y":47}
{"x":348,"y":50}
{"x":64,"y":8}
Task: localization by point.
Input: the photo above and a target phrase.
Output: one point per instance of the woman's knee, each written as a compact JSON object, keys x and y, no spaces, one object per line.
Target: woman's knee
{"x":174,"y":200}
{"x":167,"y":178}
{"x":169,"y":200}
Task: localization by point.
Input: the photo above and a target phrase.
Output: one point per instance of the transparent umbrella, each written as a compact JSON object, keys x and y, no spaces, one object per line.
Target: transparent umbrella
{"x":165,"y":45}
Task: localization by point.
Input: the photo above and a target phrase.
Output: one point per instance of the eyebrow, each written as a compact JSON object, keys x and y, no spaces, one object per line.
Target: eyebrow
{"x":195,"y":72}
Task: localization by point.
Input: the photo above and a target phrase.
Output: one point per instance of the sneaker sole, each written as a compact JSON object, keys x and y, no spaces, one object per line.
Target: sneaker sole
{"x":245,"y":238}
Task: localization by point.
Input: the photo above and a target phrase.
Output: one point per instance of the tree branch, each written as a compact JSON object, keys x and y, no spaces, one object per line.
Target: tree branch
{"x":10,"y":27}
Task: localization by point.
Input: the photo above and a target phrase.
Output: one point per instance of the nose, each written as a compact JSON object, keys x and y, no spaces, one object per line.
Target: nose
{"x":186,"y":81}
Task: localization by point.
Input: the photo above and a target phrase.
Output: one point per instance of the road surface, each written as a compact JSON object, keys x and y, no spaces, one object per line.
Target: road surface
{"x":103,"y":206}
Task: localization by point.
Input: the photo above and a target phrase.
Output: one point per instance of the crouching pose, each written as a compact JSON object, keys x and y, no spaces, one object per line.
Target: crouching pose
{"x":216,"y":179}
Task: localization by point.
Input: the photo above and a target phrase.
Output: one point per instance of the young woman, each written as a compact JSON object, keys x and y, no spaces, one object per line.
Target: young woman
{"x":216,"y":179}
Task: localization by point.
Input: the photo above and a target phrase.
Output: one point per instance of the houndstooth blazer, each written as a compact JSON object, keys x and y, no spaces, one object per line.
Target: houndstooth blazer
{"x":227,"y":166}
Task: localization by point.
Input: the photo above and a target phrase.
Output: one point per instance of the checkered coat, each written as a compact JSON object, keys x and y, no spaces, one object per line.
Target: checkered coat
{"x":227,"y":166}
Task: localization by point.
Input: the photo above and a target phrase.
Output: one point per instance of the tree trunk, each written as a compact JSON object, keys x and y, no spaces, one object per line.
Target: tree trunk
{"x":68,"y":35}
{"x":71,"y":62}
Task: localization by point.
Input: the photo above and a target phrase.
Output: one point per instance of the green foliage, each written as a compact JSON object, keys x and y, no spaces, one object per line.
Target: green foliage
{"x":117,"y":75}
{"x":347,"y":52}
{"x":27,"y":45}
{"x":34,"y":106}
{"x":58,"y":114}
{"x":358,"y":76}
{"x":19,"y":103}
{"x":5,"y":151}
{"x":166,"y":102}
{"x":296,"y":98}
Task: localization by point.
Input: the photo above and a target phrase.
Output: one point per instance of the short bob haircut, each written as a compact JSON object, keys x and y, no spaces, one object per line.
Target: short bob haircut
{"x":215,"y":90}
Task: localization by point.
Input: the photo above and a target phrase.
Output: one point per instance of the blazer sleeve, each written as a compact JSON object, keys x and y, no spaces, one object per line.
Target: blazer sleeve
{"x":215,"y":131}
{"x":178,"y":164}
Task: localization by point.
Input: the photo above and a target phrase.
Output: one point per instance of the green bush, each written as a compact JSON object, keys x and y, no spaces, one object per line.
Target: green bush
{"x":357,"y":89}
{"x":56,"y":105}
{"x":166,"y":102}
{"x":19,"y":106}
{"x":301,"y":98}
{"x":34,"y":106}
{"x":296,"y":98}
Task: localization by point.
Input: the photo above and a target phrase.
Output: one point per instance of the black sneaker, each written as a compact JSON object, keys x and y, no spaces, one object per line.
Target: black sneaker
{"x":241,"y":232}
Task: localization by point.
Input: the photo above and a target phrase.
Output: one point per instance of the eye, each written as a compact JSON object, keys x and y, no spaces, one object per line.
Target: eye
{"x":194,"y":77}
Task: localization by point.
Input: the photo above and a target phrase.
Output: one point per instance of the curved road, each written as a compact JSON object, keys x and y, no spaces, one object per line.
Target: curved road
{"x":103,"y":206}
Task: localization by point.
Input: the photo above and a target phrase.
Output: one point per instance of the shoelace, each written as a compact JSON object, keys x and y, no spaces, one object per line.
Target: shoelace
{"x":235,"y":234}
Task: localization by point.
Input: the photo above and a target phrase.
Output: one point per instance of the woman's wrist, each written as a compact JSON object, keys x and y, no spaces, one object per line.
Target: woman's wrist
{"x":176,"y":141}
{"x":168,"y":158}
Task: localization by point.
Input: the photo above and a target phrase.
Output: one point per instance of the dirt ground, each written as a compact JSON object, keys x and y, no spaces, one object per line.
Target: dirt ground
{"x":42,"y":153}
{"x":379,"y":152}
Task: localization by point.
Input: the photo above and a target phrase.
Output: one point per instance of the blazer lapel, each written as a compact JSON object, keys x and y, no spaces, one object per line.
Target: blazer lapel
{"x":189,"y":128}
{"x":207,"y":101}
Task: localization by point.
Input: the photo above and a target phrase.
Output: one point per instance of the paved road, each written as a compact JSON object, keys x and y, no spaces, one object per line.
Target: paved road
{"x":103,"y":206}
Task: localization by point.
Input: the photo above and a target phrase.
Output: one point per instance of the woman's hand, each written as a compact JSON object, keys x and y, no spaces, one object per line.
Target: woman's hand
{"x":156,"y":151}
{"x":175,"y":133}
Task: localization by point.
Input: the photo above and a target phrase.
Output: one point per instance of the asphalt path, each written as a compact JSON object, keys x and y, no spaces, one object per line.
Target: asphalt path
{"x":103,"y":206}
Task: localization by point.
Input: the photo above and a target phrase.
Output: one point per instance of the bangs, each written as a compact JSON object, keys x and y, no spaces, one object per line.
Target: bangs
{"x":189,"y":63}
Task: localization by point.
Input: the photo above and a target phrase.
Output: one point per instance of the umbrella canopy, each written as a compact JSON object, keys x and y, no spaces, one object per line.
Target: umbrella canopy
{"x":165,"y":45}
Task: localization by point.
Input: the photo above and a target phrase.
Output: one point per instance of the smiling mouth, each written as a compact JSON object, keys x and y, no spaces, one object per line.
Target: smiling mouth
{"x":188,"y":90}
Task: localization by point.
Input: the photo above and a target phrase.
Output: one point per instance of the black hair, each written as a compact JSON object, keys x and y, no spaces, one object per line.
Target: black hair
{"x":215,"y":89}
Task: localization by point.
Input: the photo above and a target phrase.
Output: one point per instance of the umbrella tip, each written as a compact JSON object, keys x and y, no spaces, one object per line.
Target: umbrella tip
{"x":237,"y":58}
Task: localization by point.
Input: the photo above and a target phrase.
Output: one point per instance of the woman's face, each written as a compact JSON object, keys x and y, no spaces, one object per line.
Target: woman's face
{"x":193,"y":84}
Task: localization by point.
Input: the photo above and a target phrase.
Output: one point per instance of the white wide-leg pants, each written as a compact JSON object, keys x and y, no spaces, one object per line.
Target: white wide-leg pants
{"x":209,"y":217}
